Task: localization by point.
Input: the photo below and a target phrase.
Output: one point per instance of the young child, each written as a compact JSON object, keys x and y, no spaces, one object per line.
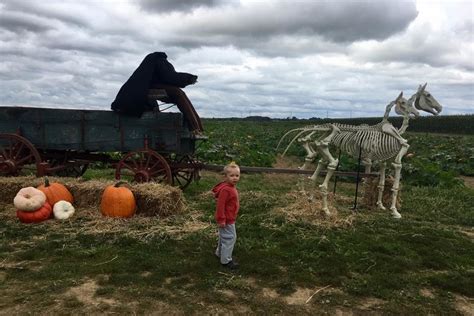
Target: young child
{"x":227,"y":208}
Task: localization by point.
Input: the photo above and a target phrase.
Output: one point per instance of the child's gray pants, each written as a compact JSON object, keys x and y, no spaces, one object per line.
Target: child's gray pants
{"x":225,"y":245}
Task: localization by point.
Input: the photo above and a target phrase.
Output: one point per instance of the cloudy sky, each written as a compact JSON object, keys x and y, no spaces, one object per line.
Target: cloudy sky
{"x":277,"y":58}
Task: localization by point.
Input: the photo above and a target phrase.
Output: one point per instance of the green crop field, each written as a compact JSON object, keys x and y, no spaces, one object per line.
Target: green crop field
{"x":253,"y":143}
{"x":293,"y":259}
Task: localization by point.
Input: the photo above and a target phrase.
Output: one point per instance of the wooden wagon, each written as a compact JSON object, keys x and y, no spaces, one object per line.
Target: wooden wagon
{"x":156,"y":147}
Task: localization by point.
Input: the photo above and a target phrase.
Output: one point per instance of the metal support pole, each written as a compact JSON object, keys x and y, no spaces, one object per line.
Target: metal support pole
{"x":337,"y":168}
{"x":357,"y":177}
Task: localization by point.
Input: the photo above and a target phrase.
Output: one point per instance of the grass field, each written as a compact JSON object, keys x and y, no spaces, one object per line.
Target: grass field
{"x":293,"y":260}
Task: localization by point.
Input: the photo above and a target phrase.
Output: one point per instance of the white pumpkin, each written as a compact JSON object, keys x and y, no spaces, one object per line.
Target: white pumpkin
{"x":63,"y":210}
{"x":29,"y":199}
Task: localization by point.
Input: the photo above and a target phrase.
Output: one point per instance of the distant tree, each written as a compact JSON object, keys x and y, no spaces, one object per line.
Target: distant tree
{"x":257,"y":118}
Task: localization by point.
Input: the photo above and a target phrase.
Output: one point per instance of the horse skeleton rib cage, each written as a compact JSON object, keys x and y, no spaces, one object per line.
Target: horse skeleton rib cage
{"x":379,"y":142}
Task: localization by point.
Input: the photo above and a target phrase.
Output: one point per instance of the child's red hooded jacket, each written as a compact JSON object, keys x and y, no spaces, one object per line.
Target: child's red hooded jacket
{"x":227,"y":206}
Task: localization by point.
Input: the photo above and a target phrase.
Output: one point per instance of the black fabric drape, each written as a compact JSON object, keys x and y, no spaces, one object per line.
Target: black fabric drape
{"x":132,"y":98}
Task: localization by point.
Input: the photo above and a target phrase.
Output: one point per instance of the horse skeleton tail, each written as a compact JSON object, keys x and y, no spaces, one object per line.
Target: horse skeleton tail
{"x":291,"y":131}
{"x":286,"y":134}
{"x":314,"y":128}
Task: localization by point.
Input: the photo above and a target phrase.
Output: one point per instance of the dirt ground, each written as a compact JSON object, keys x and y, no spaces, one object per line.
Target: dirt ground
{"x":468,"y":181}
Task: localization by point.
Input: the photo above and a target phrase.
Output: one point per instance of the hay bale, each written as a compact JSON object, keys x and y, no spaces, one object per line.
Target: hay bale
{"x":87,"y":193}
{"x":371,"y":192}
{"x":9,"y":187}
{"x":309,"y":209}
{"x":153,"y":199}
{"x":158,"y":199}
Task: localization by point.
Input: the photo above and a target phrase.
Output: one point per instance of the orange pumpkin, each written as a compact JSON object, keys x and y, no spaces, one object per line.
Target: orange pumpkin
{"x":55,"y":192}
{"x":117,"y":201}
{"x":41,"y":214}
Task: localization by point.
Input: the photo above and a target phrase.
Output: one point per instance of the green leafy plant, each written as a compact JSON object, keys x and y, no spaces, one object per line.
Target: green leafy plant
{"x":425,"y":173}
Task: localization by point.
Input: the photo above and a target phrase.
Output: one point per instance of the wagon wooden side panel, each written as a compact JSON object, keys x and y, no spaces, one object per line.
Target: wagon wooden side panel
{"x":94,"y":130}
{"x":51,"y":139}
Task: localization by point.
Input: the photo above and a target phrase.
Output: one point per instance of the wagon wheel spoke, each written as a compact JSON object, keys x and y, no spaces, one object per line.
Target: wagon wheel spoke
{"x":131,"y":168}
{"x":132,"y":159}
{"x":10,"y":148}
{"x":181,"y":178}
{"x":16,"y":150}
{"x":25,"y":159}
{"x":184,"y":171}
{"x":5,"y":155}
{"x":144,"y":166}
{"x":158,"y":171}
{"x":139,"y":161}
{"x":7,"y":150}
{"x":148,"y":161}
{"x":160,"y":178}
{"x":18,"y":154}
{"x":155,"y":172}
{"x":157,"y":163}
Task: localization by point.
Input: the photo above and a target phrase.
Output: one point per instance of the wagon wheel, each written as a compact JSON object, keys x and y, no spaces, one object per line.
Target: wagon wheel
{"x":143,"y":166}
{"x":17,"y":153}
{"x":184,"y":170}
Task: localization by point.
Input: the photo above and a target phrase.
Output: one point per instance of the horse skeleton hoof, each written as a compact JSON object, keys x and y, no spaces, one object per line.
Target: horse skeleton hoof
{"x":395,"y":214}
{"x":323,"y":188}
{"x":381,"y":207}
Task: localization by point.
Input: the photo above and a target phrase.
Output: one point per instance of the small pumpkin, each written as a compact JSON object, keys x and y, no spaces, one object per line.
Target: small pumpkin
{"x":118,"y":201}
{"x":29,"y":199}
{"x":55,"y":192}
{"x":39,"y":215}
{"x":63,"y":210}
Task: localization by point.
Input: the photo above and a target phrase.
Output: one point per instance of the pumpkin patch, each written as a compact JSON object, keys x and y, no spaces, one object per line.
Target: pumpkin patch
{"x":55,"y":192}
{"x":152,"y":199}
{"x":118,"y":201}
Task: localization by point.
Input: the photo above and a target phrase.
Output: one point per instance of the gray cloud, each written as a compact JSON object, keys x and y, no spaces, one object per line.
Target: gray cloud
{"x":53,"y":11}
{"x":273,"y":58}
{"x":333,"y":21}
{"x":168,"y":6}
{"x":18,"y":22}
{"x":423,"y":45}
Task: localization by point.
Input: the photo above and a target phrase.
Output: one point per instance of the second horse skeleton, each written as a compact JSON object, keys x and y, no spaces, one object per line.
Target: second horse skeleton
{"x":379,"y":142}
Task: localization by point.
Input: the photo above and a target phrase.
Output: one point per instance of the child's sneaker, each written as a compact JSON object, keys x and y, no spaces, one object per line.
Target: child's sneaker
{"x":231,"y":265}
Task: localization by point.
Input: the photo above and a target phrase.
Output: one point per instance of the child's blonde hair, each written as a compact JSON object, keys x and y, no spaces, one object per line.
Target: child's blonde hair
{"x":231,"y":165}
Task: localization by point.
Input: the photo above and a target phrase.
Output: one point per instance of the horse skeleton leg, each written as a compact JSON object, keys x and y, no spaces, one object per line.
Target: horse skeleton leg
{"x":397,"y":165}
{"x":310,"y":154}
{"x":322,"y":163}
{"x":323,"y":147}
{"x":381,"y":186}
{"x":367,"y":162}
